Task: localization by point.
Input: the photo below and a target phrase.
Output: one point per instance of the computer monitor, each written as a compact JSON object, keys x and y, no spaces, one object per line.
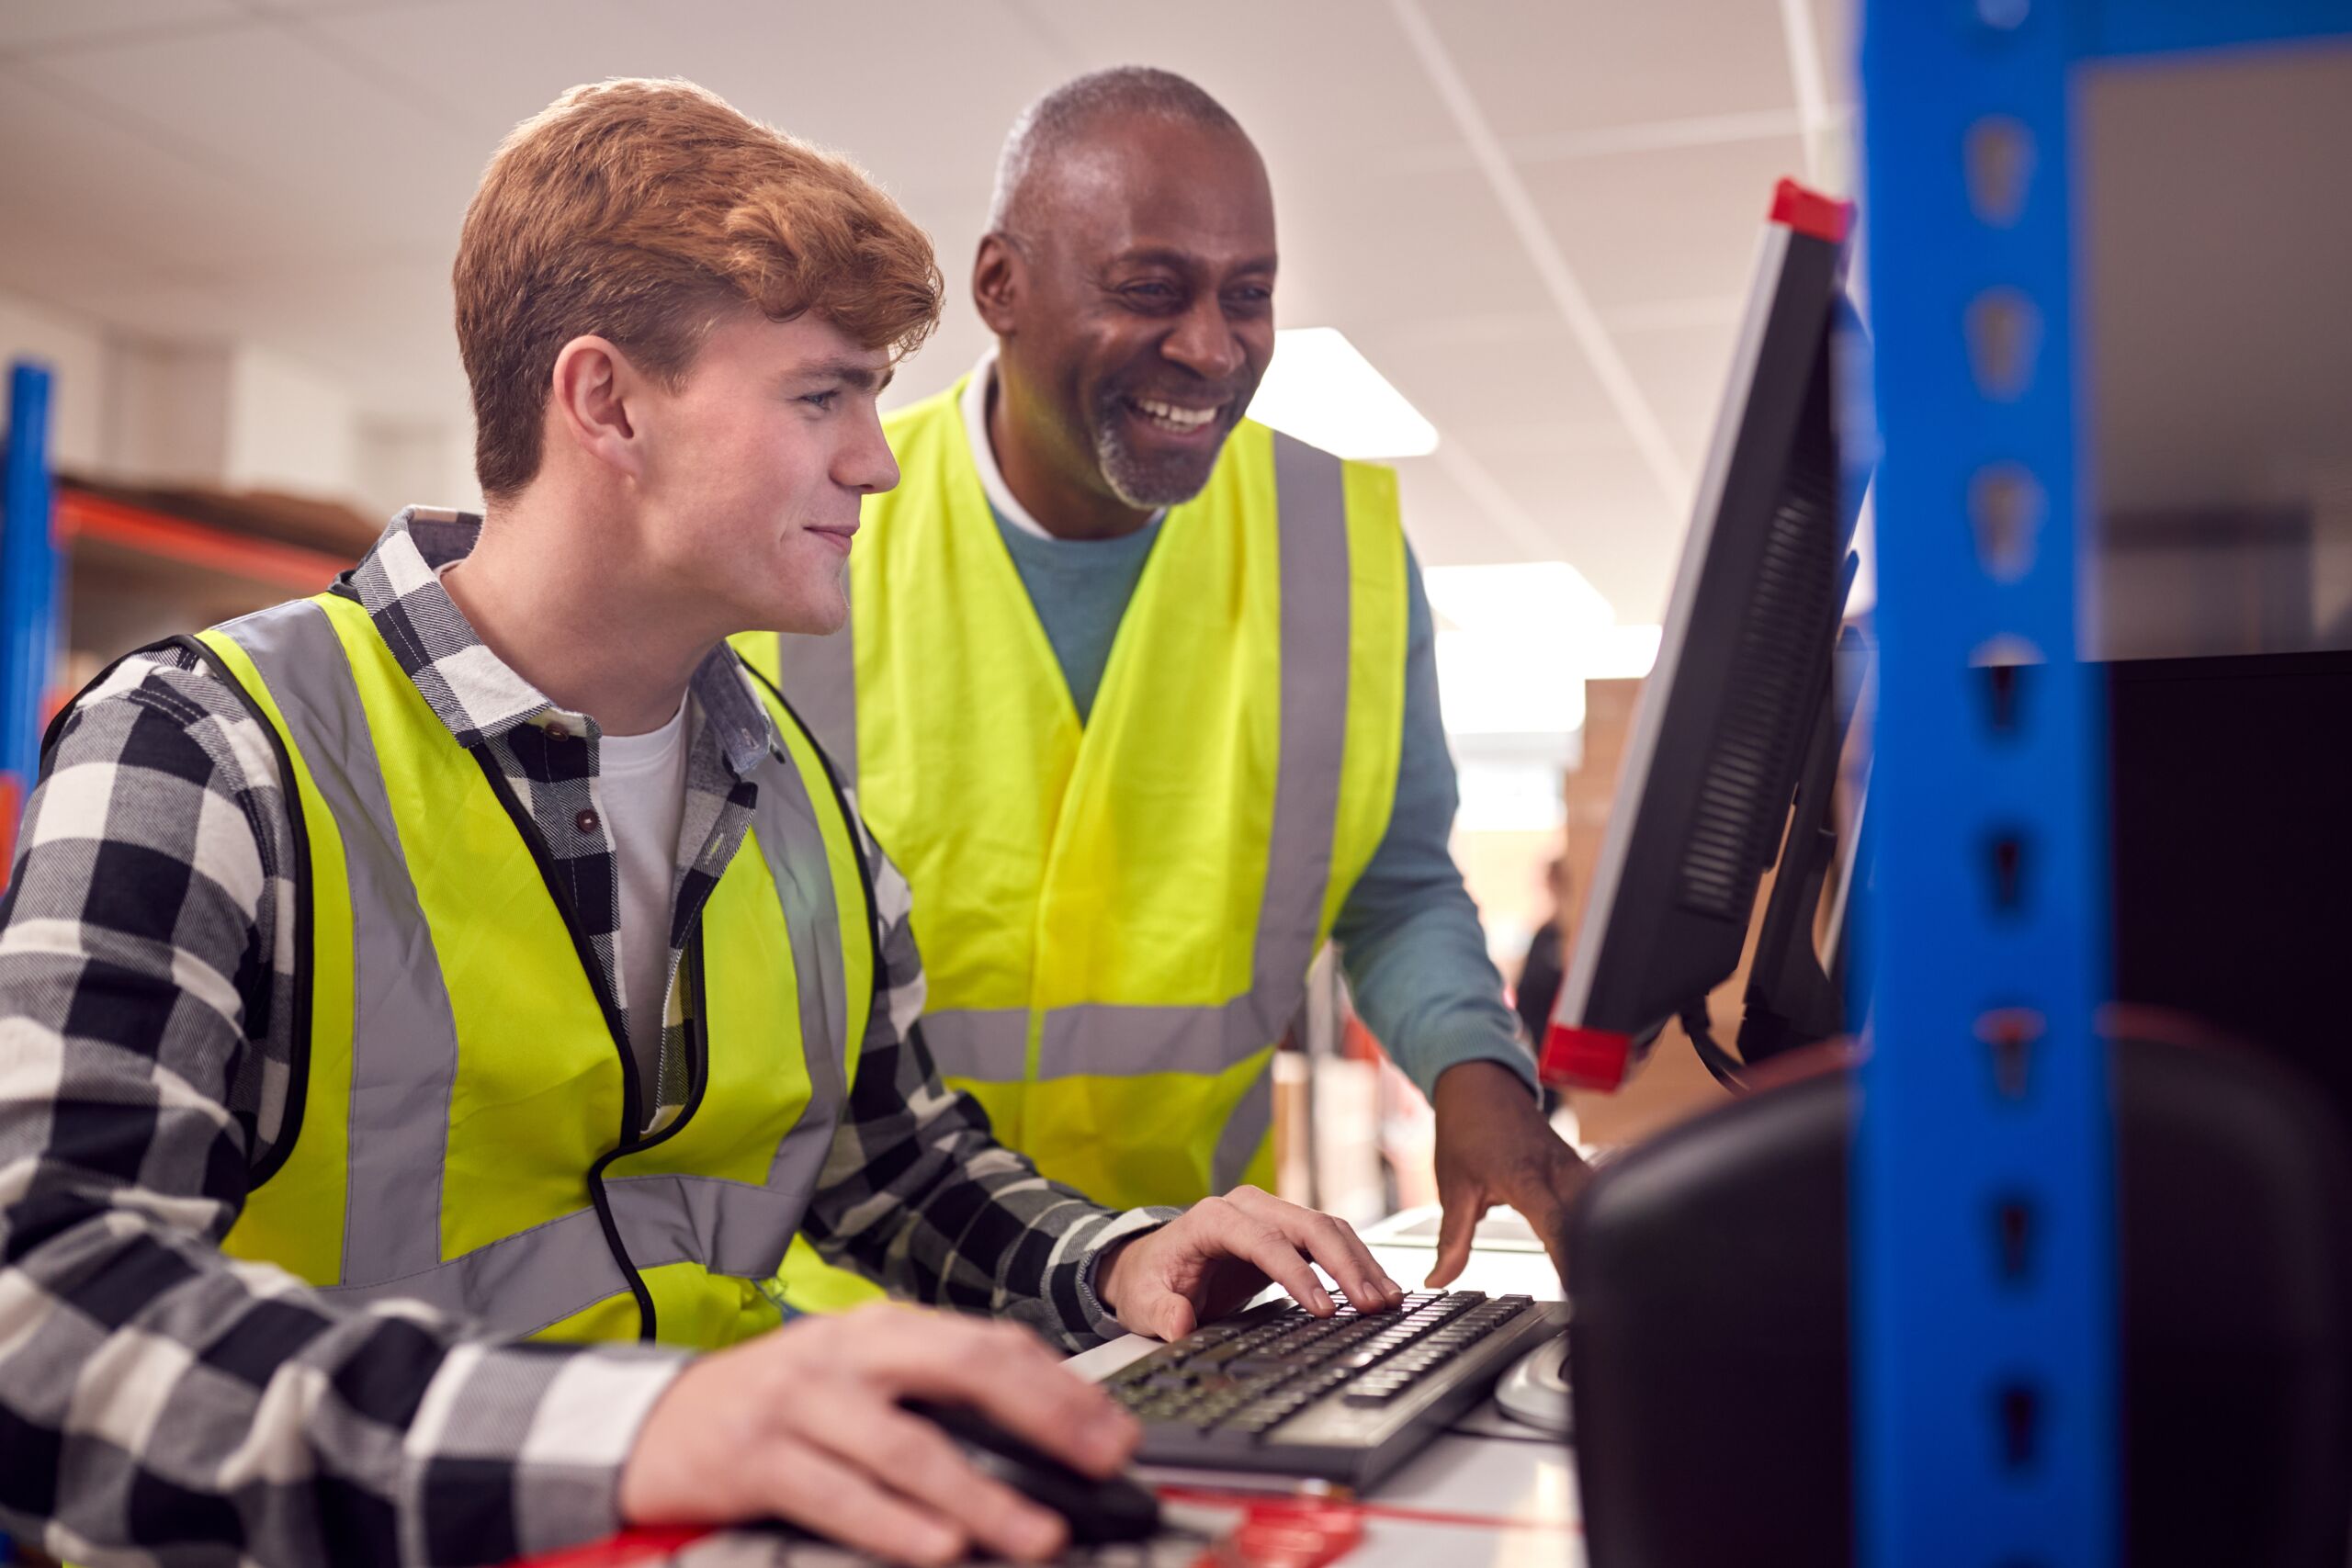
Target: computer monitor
{"x":1740,"y":693}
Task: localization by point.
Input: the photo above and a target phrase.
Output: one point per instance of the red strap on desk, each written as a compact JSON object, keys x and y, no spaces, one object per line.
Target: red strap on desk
{"x":630,"y":1549}
{"x":1584,"y":1059}
{"x":1337,"y":1514}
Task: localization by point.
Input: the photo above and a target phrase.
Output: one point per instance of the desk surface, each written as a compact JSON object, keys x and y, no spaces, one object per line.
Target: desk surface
{"x":1468,"y":1498}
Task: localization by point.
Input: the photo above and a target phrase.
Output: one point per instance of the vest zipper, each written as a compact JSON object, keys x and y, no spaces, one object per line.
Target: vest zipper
{"x":696,"y":1033}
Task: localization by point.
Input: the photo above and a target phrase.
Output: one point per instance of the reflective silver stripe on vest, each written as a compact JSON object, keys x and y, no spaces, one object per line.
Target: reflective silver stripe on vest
{"x":405,"y":1054}
{"x":817,"y":675}
{"x":1109,"y":1039}
{"x":988,"y":1043}
{"x":792,"y":842}
{"x":404,"y":1050}
{"x":519,"y":1284}
{"x":1245,"y":1133}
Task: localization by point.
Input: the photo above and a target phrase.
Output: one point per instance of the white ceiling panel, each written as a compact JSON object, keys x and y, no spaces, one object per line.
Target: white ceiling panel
{"x":322,"y":7}
{"x":1539,"y":380}
{"x":1577,"y":65}
{"x":779,"y":63}
{"x":516,"y":55}
{"x":50,"y":24}
{"x":1680,"y":369}
{"x":73,"y":161}
{"x":1674,"y":224}
{"x":303,"y":127}
{"x":920,"y":94}
{"x":1446,"y":524}
{"x":1319,"y":86}
{"x":62,"y":265}
{"x":1604,"y":509}
{"x":1362,"y":250}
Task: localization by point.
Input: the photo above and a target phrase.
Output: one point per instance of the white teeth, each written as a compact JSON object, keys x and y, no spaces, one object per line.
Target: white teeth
{"x":1169,"y":413}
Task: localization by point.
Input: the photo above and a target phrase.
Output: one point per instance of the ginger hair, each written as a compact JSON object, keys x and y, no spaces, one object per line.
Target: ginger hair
{"x":643,"y":212}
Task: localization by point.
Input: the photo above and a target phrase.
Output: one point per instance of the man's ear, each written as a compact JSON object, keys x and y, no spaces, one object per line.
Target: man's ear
{"x":593,"y":388}
{"x":998,"y":279}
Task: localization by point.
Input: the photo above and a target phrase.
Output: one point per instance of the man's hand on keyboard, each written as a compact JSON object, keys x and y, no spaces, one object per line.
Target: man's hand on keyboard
{"x":1494,"y":1146}
{"x":1221,"y":1251}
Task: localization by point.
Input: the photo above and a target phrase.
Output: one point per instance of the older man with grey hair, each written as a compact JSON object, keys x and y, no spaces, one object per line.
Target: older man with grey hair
{"x":1144,"y":697}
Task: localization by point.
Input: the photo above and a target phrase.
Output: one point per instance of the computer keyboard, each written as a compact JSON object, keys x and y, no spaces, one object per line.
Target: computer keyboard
{"x":1346,"y":1398}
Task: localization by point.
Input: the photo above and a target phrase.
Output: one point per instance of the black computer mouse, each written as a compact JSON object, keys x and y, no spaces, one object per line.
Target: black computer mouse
{"x":1098,"y":1512}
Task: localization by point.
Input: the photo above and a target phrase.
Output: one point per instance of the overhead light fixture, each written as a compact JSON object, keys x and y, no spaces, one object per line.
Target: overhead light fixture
{"x":1546,"y":599}
{"x":1620,"y":653}
{"x":1322,"y":389}
{"x":1508,"y":641}
{"x":1516,"y":644}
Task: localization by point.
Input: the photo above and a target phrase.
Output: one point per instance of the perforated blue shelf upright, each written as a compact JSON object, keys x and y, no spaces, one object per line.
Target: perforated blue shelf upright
{"x":28,"y":599}
{"x":1985,"y":1296}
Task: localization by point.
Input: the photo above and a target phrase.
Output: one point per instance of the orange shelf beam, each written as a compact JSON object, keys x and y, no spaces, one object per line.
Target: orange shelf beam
{"x":195,"y":544}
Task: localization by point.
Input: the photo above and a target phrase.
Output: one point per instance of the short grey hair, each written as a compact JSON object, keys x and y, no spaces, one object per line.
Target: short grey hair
{"x":1048,"y":126}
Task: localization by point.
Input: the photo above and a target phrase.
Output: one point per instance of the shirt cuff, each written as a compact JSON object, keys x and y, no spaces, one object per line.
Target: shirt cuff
{"x":1478,"y":1045}
{"x":1100,"y":1323}
{"x":517,"y":1448}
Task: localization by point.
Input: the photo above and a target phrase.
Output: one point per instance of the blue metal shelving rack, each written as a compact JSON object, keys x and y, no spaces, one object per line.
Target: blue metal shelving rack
{"x":28,"y":595}
{"x":28,"y":610}
{"x":1983,"y":1279}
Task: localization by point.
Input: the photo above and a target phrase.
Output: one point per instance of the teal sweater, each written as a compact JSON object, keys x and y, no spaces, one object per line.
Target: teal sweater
{"x":1409,"y":940}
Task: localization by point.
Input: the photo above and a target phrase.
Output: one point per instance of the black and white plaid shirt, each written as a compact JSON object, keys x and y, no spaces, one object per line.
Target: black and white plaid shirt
{"x":158,"y":1399}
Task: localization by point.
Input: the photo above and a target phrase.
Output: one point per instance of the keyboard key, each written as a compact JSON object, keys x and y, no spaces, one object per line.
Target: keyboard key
{"x":1259,"y":1366}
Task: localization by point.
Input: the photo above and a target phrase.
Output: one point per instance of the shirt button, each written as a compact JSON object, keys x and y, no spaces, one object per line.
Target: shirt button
{"x":585,"y":821}
{"x":557,"y":730}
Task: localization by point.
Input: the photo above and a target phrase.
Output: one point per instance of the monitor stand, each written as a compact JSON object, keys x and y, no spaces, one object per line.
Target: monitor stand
{"x":1794,"y":998}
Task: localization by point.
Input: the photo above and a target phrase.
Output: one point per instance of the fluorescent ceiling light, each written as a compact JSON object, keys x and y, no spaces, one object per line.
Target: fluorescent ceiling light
{"x":1321,"y":389}
{"x":1509,"y":797}
{"x":1516,"y":644}
{"x":1508,"y":645}
{"x":1620,"y":653}
{"x":1530,"y":599}
{"x":1489,"y":684}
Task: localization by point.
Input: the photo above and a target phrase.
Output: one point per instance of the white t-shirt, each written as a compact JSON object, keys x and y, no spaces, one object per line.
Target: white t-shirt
{"x":641,"y":786}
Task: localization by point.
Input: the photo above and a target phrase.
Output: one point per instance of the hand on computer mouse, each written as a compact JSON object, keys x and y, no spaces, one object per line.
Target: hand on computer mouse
{"x":1221,"y":1251}
{"x":1098,"y":1509}
{"x":805,"y":1424}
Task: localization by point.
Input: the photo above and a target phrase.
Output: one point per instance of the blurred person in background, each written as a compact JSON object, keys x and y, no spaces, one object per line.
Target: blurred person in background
{"x":1143,"y":696}
{"x":1539,"y":975}
{"x":428,"y":1010}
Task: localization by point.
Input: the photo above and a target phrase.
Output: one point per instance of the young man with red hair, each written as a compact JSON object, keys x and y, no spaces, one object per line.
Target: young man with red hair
{"x":428,"y":1010}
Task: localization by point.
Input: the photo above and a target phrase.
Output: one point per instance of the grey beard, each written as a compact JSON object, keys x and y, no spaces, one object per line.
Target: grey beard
{"x":1139,"y":481}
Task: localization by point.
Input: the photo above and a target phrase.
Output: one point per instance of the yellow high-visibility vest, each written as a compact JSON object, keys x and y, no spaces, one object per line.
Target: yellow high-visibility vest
{"x":1117,"y":917}
{"x":463,"y":1118}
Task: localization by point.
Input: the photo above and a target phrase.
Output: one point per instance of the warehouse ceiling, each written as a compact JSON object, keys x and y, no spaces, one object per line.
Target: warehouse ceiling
{"x":1535,"y":216}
